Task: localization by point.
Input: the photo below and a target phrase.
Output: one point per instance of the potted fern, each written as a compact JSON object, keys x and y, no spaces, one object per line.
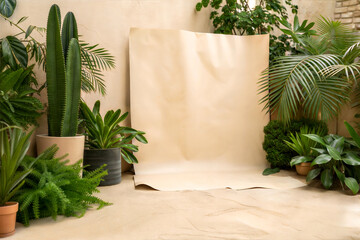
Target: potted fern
{"x":107,"y":141}
{"x":14,"y":143}
{"x":63,"y":77}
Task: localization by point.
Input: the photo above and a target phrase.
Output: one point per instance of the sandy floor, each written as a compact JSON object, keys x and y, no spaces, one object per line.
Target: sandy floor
{"x":302,"y":213}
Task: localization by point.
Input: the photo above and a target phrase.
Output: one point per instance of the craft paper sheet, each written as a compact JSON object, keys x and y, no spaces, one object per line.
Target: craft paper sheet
{"x":195,"y":96}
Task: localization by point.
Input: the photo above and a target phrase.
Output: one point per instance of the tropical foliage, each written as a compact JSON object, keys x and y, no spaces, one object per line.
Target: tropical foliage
{"x":54,"y":188}
{"x":18,"y":49}
{"x":14,"y":143}
{"x":278,"y":153}
{"x":63,"y":74}
{"x":18,"y":106}
{"x":335,"y":157}
{"x":303,"y":145}
{"x":104,"y":133}
{"x":318,"y":82}
{"x":236,"y":17}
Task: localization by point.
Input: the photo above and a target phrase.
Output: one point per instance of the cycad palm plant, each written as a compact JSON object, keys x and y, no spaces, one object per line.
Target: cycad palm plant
{"x":317,"y":82}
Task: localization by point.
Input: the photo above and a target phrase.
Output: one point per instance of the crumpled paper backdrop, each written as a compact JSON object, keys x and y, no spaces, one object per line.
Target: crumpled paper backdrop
{"x":195,"y":96}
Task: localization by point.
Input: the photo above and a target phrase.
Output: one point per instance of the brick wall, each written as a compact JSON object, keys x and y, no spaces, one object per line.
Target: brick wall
{"x":348,"y":12}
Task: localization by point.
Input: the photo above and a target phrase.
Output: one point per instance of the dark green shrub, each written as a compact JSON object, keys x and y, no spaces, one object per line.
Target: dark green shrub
{"x":278,"y":153}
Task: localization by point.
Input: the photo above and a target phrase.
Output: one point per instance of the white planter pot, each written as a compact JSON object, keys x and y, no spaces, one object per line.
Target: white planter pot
{"x":73,"y":146}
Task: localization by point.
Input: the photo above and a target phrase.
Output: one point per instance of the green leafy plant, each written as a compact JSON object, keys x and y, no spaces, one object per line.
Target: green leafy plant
{"x":18,"y":106}
{"x":335,"y":156}
{"x":236,"y":17}
{"x":278,"y":153}
{"x":63,"y":74}
{"x":16,"y":50}
{"x":14,"y":143}
{"x":104,"y":133}
{"x":317,"y":83}
{"x":54,"y":188}
{"x":303,"y":145}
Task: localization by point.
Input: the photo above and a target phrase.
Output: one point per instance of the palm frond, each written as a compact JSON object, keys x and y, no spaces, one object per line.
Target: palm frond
{"x":94,"y":61}
{"x":337,"y":36}
{"x":290,"y":80}
{"x":326,"y":97}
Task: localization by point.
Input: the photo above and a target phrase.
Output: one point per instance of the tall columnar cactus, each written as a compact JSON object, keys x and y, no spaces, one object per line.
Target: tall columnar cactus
{"x":63,"y":74}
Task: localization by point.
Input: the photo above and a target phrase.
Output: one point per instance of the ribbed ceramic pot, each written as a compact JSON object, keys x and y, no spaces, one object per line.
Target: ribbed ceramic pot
{"x":8,"y":219}
{"x":73,"y":146}
{"x":95,"y":158}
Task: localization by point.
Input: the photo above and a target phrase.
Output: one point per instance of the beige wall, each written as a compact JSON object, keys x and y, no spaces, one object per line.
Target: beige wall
{"x":107,"y":22}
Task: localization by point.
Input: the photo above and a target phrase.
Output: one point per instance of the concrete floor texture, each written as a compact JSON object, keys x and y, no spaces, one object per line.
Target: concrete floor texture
{"x":302,"y":213}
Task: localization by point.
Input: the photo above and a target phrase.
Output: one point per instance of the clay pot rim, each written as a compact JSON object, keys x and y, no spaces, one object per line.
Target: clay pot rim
{"x":304,"y":164}
{"x":52,"y":137}
{"x":10,"y":207}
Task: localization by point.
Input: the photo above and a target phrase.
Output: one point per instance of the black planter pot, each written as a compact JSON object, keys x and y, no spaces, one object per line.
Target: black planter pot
{"x":95,"y":158}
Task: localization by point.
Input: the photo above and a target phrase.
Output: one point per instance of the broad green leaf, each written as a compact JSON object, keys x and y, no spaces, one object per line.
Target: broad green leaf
{"x":299,"y":159}
{"x":321,"y":159}
{"x":141,"y":138}
{"x":327,"y":178}
{"x":335,"y":154}
{"x":353,"y":133}
{"x":339,"y":174}
{"x":13,"y":51}
{"x":269,"y":171}
{"x":338,"y":144}
{"x":7,"y":7}
{"x":313,"y":174}
{"x":315,"y":138}
{"x":352,"y":184}
{"x":351,"y":159}
{"x":319,"y":150}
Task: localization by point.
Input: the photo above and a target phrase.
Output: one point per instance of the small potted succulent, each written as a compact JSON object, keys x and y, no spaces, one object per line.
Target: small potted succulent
{"x":63,"y":78}
{"x":106,"y":141}
{"x":14,"y":143}
{"x":304,"y":146}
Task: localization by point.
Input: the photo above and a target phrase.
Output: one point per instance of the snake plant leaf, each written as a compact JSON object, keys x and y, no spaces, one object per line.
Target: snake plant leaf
{"x":352,"y":159}
{"x":55,"y":73}
{"x":353,"y":133}
{"x":69,"y":31}
{"x":13,"y":51}
{"x":73,"y":89}
{"x":299,"y":159}
{"x":321,"y":159}
{"x":352,"y":184}
{"x":7,"y":7}
{"x":327,"y":178}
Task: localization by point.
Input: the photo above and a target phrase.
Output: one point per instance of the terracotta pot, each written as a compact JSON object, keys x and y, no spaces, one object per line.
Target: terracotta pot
{"x":8,"y":218}
{"x":73,"y":146}
{"x":303,"y":168}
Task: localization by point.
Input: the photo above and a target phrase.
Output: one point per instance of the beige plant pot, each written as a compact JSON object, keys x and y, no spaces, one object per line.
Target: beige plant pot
{"x":73,"y":146}
{"x":8,"y":219}
{"x":303,"y":168}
